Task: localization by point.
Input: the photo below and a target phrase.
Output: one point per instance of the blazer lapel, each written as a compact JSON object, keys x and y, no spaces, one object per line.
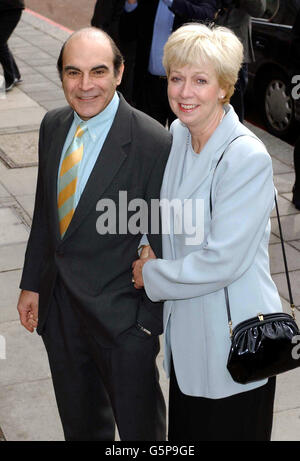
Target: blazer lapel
{"x":198,"y":172}
{"x":174,"y":185}
{"x":208,"y":157}
{"x":169,"y":190}
{"x":109,"y":162}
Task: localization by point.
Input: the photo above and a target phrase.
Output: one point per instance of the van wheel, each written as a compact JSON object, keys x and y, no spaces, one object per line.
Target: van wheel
{"x":277,"y":104}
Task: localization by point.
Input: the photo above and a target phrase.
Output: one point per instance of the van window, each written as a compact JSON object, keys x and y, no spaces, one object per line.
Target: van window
{"x":285,"y":13}
{"x":272,"y":9}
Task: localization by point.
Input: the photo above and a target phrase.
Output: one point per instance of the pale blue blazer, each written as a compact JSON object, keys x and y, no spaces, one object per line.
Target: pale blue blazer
{"x":234,"y":253}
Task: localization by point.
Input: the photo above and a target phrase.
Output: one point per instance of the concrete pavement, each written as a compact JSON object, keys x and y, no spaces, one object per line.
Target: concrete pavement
{"x":27,"y":406}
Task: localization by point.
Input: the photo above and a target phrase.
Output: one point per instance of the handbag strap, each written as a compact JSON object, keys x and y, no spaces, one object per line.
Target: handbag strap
{"x":292,"y":305}
{"x":285,"y":260}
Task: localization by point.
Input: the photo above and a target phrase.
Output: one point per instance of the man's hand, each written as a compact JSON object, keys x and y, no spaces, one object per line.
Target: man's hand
{"x":146,"y":255}
{"x":28,"y":306}
{"x":147,"y":252}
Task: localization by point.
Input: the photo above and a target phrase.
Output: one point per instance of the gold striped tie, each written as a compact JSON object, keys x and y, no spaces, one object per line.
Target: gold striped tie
{"x":67,"y":180}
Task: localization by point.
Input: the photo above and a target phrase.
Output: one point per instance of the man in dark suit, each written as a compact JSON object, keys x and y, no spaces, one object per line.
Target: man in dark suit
{"x":101,"y":335}
{"x":106,"y":16}
{"x":151,"y":22}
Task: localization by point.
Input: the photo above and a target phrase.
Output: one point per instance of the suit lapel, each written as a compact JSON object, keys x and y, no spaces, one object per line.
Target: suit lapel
{"x":110,"y":160}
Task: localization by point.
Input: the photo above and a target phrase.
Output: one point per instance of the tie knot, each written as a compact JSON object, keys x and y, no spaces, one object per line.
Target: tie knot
{"x":82,"y":127}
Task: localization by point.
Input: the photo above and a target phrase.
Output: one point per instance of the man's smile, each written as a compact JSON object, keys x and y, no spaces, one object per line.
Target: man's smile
{"x":87,"y":98}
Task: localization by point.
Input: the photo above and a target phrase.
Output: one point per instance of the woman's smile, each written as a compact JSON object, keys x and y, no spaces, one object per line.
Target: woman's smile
{"x":187,"y":107}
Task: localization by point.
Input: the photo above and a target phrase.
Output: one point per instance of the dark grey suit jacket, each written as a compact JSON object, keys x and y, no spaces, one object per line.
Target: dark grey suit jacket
{"x":96,"y":269}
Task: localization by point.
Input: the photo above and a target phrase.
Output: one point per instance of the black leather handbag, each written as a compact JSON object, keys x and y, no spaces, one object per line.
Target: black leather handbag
{"x":263,"y":346}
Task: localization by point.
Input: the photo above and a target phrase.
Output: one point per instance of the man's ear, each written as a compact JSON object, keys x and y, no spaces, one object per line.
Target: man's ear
{"x":120,"y":74}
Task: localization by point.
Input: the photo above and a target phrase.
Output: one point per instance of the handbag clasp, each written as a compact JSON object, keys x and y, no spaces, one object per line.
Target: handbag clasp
{"x":293,"y":311}
{"x":230,"y":328}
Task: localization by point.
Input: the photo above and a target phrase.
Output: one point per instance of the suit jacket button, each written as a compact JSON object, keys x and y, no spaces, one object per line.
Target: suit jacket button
{"x":59,"y":252}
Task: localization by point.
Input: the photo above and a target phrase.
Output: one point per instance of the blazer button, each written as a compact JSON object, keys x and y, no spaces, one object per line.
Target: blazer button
{"x":59,"y":252}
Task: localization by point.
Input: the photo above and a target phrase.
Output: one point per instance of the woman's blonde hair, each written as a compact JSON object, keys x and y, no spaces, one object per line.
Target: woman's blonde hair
{"x":217,"y":45}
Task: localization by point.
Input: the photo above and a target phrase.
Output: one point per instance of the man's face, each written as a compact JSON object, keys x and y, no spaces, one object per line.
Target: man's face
{"x":88,"y":78}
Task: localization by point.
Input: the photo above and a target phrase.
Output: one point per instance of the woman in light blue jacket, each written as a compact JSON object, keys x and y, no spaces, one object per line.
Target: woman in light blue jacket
{"x":208,"y":248}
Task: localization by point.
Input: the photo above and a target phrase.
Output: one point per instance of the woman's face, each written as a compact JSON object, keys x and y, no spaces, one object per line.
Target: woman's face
{"x":195,"y":95}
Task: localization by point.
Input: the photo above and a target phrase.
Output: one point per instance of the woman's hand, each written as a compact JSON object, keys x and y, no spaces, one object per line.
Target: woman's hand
{"x":146,"y":255}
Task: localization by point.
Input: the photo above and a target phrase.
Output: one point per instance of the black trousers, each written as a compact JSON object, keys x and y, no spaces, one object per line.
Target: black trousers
{"x":243,"y":417}
{"x":297,"y":166}
{"x":95,"y":386}
{"x":8,"y":21}
{"x":152,"y":98}
{"x":237,"y":99}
